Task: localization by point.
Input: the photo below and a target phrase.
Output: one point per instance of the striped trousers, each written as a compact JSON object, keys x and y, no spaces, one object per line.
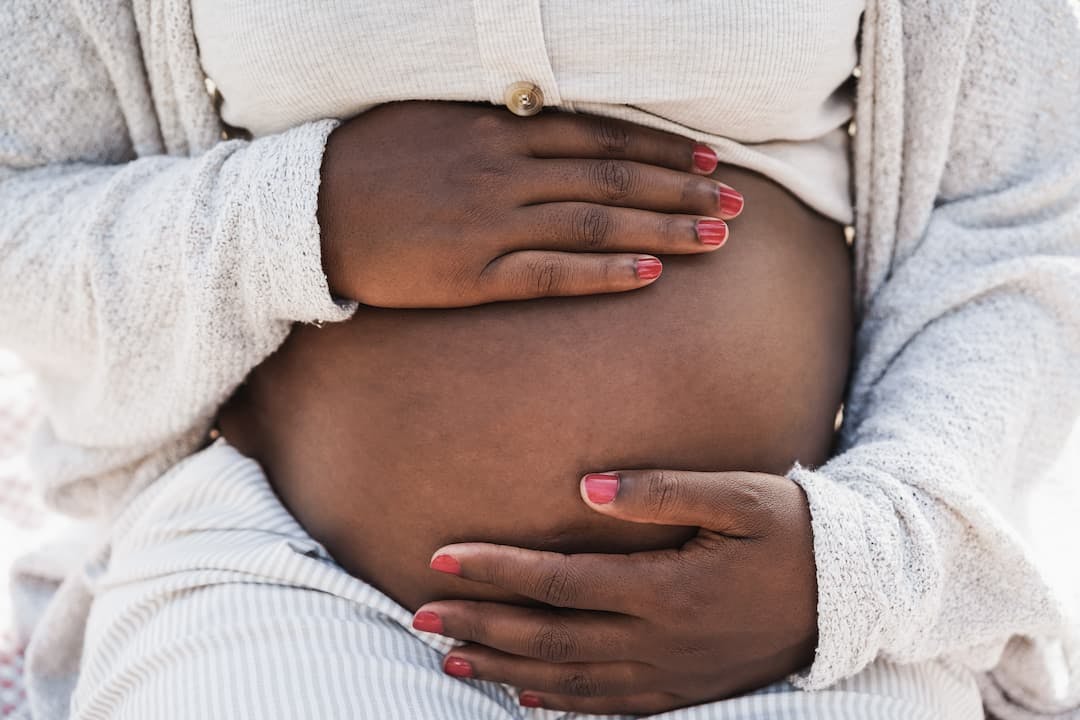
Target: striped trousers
{"x":215,"y":604}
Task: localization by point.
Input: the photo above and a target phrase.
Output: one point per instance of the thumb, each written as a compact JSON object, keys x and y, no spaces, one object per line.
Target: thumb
{"x":733,"y":503}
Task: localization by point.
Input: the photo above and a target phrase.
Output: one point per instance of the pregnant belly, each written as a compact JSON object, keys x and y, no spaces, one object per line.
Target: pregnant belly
{"x":399,"y":431}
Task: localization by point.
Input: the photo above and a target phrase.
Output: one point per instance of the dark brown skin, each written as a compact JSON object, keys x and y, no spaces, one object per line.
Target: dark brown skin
{"x":651,"y":631}
{"x":403,"y":431}
{"x":433,"y":205}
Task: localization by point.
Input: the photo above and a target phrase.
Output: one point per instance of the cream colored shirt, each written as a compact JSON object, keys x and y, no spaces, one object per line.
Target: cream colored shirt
{"x":762,"y":82}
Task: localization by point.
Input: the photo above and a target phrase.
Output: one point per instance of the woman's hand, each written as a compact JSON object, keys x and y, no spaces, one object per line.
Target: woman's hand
{"x":435,"y":204}
{"x":732,"y":610}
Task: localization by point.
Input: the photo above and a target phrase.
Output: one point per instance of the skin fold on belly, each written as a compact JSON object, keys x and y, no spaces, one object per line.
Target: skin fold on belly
{"x":399,"y":431}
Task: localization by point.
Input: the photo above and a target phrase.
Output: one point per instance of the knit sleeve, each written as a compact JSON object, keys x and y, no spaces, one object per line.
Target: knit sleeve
{"x":141,"y":288}
{"x":966,"y":385}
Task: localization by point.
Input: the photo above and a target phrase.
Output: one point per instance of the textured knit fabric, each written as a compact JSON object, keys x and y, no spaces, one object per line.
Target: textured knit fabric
{"x":213,"y":603}
{"x":765,"y":83}
{"x":147,"y":266}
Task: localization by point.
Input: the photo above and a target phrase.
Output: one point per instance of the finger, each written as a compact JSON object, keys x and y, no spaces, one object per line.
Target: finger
{"x":639,"y":703}
{"x":529,"y":274}
{"x":565,"y":135}
{"x":628,"y":184}
{"x":741,"y":504}
{"x":585,"y":581}
{"x":574,"y":679}
{"x":585,"y":227}
{"x":550,"y":636}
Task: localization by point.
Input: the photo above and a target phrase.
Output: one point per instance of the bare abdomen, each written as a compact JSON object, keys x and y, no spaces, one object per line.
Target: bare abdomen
{"x":400,"y":431}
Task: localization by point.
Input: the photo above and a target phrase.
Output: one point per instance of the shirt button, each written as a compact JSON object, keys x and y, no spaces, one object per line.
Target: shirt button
{"x":524,"y":99}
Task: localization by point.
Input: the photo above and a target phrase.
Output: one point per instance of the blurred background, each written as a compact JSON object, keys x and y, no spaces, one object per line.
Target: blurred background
{"x":23,"y":523}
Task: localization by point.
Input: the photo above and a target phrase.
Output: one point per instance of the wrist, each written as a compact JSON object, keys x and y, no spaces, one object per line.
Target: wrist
{"x":851,"y":607}
{"x":279,"y":217}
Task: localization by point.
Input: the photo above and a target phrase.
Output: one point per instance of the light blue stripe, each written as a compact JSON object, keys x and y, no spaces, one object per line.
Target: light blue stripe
{"x":207,"y":612}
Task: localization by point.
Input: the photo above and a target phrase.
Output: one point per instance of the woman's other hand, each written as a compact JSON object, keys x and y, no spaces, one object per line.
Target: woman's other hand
{"x":732,"y":610}
{"x":435,"y":205}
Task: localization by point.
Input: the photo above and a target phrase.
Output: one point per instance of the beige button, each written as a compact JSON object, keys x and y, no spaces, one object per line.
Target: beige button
{"x":524,"y":99}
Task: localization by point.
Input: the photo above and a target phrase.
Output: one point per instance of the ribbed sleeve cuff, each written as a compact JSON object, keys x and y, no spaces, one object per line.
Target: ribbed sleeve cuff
{"x":849,"y":599}
{"x":290,"y":165}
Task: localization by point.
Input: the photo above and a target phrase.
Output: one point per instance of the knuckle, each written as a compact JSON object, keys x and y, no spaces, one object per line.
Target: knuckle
{"x":488,"y":172}
{"x":671,"y":228}
{"x":614,"y":180}
{"x":489,"y":127}
{"x":611,"y":136}
{"x":553,"y":644}
{"x":699,"y":191}
{"x":473,"y":627}
{"x":690,"y":649}
{"x":607,"y":272}
{"x":548,"y":276}
{"x":481,"y":217}
{"x":661,"y":492}
{"x":632,"y":678}
{"x":594,"y":227}
{"x":753,"y":503}
{"x":557,"y":586}
{"x":579,"y":683}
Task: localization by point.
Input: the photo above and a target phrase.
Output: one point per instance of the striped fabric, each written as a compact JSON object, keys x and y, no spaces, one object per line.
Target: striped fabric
{"x":214,"y":603}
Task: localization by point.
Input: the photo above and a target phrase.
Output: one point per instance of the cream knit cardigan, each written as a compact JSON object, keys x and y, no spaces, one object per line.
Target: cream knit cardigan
{"x":146,"y":266}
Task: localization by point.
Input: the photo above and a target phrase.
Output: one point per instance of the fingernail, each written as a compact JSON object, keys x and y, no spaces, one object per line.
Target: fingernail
{"x":648,"y":268}
{"x":529,"y":700}
{"x":427,"y":621}
{"x":446,"y":564}
{"x":458,"y":667}
{"x":601,"y":488}
{"x":712,"y":232}
{"x":705,"y":160}
{"x":731,"y":201}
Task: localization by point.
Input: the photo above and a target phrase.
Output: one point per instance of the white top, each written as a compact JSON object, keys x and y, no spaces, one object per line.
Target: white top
{"x":764,"y":83}
{"x":146,"y":267}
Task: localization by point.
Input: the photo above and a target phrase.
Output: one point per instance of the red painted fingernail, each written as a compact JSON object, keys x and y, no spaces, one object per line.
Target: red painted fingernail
{"x":731,"y":202}
{"x":427,"y":621}
{"x":648,"y":268}
{"x":446,"y":564}
{"x":712,"y":232}
{"x":529,"y":700}
{"x":458,"y":667}
{"x":601,"y":487}
{"x":705,"y":160}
